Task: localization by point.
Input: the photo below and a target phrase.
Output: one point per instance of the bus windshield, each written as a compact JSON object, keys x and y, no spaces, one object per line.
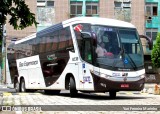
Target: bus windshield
{"x":117,"y":48}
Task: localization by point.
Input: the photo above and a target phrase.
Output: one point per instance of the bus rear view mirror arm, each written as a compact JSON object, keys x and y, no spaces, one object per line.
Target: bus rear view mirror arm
{"x":150,"y":41}
{"x":86,"y":35}
{"x":91,"y":36}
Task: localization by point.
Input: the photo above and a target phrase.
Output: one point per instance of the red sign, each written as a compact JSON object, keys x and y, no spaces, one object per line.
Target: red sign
{"x":78,"y":28}
{"x":124,"y":85}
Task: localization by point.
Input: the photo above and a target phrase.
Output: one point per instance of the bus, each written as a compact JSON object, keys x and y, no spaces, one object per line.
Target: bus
{"x":69,"y":56}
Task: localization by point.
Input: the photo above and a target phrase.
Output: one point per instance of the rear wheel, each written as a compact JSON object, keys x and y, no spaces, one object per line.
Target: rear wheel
{"x":112,"y":94}
{"x":22,"y":86}
{"x":16,"y":86}
{"x":72,"y":87}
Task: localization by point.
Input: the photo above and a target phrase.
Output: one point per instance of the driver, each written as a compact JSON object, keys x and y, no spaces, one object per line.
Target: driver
{"x":100,"y":50}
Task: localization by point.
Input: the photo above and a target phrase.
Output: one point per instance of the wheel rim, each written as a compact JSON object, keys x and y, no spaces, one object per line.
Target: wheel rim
{"x":22,"y":87}
{"x":16,"y":86}
{"x":69,"y":85}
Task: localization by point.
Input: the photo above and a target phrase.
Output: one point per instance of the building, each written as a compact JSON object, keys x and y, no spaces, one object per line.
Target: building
{"x":49,"y":12}
{"x":152,"y":26}
{"x":152,"y":14}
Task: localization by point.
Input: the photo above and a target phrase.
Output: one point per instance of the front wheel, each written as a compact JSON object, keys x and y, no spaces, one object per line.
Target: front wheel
{"x":112,"y":94}
{"x":72,"y":87}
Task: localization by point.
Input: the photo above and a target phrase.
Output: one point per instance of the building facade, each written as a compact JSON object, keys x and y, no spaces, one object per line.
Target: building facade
{"x":49,"y":12}
{"x":152,"y":23}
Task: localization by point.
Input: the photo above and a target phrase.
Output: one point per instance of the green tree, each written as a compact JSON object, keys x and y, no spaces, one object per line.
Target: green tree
{"x":21,"y":17}
{"x":155,"y":55}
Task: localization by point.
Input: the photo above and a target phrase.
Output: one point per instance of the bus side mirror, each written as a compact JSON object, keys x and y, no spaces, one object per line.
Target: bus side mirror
{"x":89,"y":36}
{"x":150,"y":41}
{"x":86,"y":35}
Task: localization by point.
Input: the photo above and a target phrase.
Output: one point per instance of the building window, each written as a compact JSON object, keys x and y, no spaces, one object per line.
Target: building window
{"x":50,"y":3}
{"x":91,"y":8}
{"x":76,"y":9}
{"x":123,"y":10}
{"x":151,"y":10}
{"x":117,"y":4}
{"x":152,"y":33}
{"x":40,"y":0}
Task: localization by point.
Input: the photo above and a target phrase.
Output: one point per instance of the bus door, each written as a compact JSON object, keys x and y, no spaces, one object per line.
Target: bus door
{"x":87,"y":65}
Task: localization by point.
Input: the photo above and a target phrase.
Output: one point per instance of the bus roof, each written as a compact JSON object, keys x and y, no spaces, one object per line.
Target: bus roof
{"x":99,"y":21}
{"x":92,"y":20}
{"x":26,"y":38}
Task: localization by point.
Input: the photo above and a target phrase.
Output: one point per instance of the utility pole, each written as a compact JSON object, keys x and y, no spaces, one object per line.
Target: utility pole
{"x":4,"y":53}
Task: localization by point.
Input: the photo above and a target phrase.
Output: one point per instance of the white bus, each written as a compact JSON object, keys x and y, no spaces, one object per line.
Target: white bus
{"x":69,"y":56}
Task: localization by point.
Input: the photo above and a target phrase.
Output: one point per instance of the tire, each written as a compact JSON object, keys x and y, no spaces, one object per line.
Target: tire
{"x":72,"y":87}
{"x":16,"y":86}
{"x":52,"y":92}
{"x":22,"y":86}
{"x":112,"y":94}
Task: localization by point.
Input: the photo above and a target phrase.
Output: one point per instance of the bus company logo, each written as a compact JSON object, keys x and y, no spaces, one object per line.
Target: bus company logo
{"x":125,"y":74}
{"x":27,"y":63}
{"x":115,"y":74}
{"x":51,"y":57}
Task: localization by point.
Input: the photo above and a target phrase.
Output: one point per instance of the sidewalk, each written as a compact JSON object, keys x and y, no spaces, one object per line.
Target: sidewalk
{"x":149,"y":88}
{"x":2,"y":85}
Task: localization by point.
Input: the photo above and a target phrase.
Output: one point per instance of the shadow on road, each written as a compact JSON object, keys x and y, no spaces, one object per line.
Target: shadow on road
{"x":93,"y":96}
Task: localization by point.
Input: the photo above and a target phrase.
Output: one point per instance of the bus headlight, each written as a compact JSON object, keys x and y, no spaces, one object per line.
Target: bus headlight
{"x":142,"y":76}
{"x":104,"y":76}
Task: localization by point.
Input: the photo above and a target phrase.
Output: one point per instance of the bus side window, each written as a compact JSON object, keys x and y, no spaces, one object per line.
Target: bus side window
{"x":80,"y":43}
{"x":34,"y":51}
{"x":48,"y":43}
{"x":87,"y":52}
{"x":62,"y":39}
{"x":69,"y":38}
{"x":37,"y":45}
{"x":54,"y":38}
{"x":42,"y":45}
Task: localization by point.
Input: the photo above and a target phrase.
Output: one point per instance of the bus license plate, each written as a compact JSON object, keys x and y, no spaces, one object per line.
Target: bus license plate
{"x":124,"y":85}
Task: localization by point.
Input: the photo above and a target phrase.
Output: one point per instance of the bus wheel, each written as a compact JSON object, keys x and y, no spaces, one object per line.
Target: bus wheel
{"x":72,"y":87}
{"x":22,"y":86}
{"x":16,"y":86}
{"x":112,"y":94}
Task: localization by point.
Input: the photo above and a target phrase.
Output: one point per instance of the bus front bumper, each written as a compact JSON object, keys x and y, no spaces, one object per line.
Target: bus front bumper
{"x":103,"y":85}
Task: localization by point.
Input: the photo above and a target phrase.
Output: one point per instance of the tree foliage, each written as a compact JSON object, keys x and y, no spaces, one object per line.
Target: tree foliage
{"x":155,"y":55}
{"x":21,"y":17}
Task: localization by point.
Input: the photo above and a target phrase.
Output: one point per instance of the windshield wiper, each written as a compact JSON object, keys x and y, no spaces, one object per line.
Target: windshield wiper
{"x":132,"y":62}
{"x":122,"y":53}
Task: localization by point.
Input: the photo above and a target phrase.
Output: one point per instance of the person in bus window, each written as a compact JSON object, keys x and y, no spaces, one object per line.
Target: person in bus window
{"x":100,"y":50}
